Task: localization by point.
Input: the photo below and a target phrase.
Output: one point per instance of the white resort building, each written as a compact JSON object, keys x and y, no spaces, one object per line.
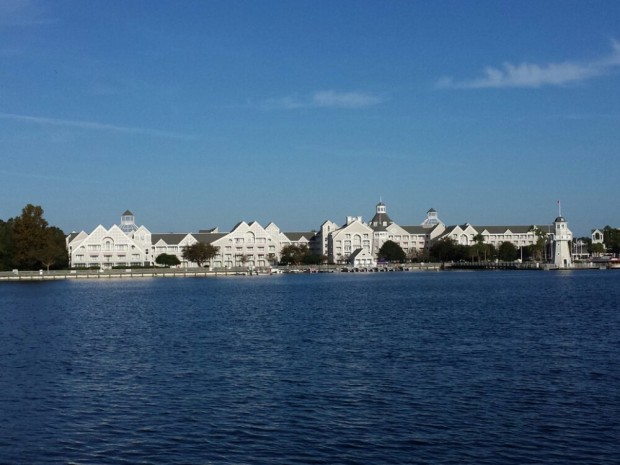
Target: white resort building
{"x":251,"y":245}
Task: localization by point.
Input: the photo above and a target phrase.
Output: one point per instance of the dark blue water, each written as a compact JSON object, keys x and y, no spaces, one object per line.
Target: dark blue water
{"x":437,"y":368}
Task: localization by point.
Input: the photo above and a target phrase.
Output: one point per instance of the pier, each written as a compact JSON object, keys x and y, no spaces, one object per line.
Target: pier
{"x":491,"y":265}
{"x":122,"y":274}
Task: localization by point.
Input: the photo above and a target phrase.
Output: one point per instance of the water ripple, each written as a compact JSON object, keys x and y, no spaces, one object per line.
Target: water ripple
{"x":437,"y":368}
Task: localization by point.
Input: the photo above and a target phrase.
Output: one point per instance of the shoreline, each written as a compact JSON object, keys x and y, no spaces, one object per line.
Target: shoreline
{"x":55,"y":275}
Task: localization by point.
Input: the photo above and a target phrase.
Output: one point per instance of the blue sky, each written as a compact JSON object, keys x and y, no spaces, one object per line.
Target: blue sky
{"x":198,"y":114}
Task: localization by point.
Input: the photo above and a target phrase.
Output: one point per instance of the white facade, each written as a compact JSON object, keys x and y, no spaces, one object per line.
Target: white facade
{"x":414,"y":240}
{"x":105,"y":248}
{"x":342,"y":241}
{"x":252,"y":246}
{"x":561,"y":244}
{"x":320,"y":241}
{"x":247,"y":245}
{"x":362,"y":259}
{"x":597,"y":237}
{"x":520,"y":236}
{"x":171,"y":244}
{"x":350,"y":237}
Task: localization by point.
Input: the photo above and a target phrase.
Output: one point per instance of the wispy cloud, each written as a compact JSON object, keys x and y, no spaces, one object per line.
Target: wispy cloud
{"x":94,"y":126}
{"x":325,"y":99}
{"x":537,"y":75}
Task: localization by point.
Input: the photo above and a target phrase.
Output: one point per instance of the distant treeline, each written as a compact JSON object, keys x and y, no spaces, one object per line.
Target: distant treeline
{"x":27,"y":242}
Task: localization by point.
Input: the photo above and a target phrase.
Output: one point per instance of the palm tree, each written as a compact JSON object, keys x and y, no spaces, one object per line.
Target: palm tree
{"x":541,"y":241}
{"x":479,"y":240}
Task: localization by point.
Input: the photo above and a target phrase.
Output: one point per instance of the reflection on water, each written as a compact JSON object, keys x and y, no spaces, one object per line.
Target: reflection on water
{"x":487,"y":367}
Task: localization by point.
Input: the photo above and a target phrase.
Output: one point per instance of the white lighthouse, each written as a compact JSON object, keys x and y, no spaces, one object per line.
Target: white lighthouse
{"x":562,"y":238}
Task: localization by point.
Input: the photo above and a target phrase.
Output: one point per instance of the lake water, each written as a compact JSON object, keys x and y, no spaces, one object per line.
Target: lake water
{"x":389,"y":368}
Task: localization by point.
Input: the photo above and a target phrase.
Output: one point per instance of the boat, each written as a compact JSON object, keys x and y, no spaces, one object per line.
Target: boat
{"x":613,"y":264}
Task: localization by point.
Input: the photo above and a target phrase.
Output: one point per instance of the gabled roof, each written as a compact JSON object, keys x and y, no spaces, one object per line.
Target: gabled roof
{"x":73,"y":235}
{"x":168,"y":238}
{"x":416,"y":229}
{"x":519,"y":229}
{"x":208,"y":238}
{"x":357,"y":252}
{"x":127,"y":213}
{"x":238,"y":224}
{"x":450,"y":229}
{"x":297,"y":236}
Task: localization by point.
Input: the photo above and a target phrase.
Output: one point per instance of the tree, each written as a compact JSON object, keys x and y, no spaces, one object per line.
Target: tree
{"x":538,"y":250}
{"x":293,"y":254}
{"x":6,"y":244}
{"x":479,"y":246}
{"x":415,"y":255}
{"x":30,"y":237}
{"x":54,"y":251}
{"x":508,"y":252}
{"x":28,"y":242}
{"x":300,"y":255}
{"x":392,"y":252}
{"x":611,"y":238}
{"x":199,"y":253}
{"x":167,"y":260}
{"x":310,"y":259}
{"x":596,"y":249}
{"x":444,"y":250}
